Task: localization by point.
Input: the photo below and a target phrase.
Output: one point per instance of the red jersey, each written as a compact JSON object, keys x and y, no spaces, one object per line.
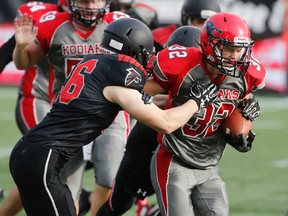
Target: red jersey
{"x":161,"y":35}
{"x":36,"y":9}
{"x":66,"y":45}
{"x":199,"y":142}
{"x":34,"y":83}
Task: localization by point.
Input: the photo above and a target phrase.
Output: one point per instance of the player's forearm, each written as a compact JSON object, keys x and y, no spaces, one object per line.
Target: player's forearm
{"x":21,"y":57}
{"x":6,"y":51}
{"x":8,"y":47}
{"x":176,"y":117}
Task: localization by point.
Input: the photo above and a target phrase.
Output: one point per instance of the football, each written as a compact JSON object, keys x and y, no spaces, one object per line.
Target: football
{"x":236,"y":124}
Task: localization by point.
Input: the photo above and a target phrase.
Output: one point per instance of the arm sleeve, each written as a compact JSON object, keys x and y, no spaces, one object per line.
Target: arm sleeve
{"x":6,"y":52}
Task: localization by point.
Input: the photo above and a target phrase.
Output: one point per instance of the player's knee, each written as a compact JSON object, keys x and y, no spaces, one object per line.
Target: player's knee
{"x":121,"y":200}
{"x":121,"y":206}
{"x":105,"y":210}
{"x":105,"y":181}
{"x":118,"y":209}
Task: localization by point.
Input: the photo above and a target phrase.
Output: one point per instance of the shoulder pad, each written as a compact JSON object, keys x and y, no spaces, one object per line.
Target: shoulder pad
{"x":115,"y":15}
{"x":174,"y":61}
{"x":131,"y":61}
{"x":255,"y":76}
{"x":128,"y":72}
{"x":47,"y":27}
{"x":36,"y":9}
{"x":141,"y":5}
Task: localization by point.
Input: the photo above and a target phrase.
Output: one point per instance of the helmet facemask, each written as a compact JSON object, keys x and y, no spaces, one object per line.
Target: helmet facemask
{"x":226,"y":44}
{"x":228,"y":66}
{"x":85,"y":15}
{"x":144,"y":56}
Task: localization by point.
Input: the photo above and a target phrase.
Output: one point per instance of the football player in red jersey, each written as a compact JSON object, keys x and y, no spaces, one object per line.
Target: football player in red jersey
{"x":131,"y":178}
{"x":193,"y":12}
{"x":184,"y":170}
{"x":91,"y":97}
{"x":65,"y":39}
{"x":33,"y":101}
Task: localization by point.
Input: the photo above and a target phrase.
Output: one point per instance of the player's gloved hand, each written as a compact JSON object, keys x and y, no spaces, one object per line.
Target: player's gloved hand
{"x":146,"y":98}
{"x":250,"y":108}
{"x":242,"y":143}
{"x":203,"y":95}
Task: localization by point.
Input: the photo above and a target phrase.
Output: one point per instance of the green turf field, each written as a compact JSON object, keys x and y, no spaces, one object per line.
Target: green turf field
{"x":257,"y":181}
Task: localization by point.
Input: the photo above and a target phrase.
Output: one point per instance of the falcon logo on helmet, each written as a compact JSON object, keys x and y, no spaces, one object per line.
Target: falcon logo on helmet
{"x":212,"y":31}
{"x":224,"y":32}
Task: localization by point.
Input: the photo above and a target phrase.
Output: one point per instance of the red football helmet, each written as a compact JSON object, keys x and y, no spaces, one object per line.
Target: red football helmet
{"x":85,"y":15}
{"x":229,"y":31}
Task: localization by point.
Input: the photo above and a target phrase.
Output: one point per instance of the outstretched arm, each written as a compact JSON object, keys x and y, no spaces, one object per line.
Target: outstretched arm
{"x":6,"y":51}
{"x":165,"y":121}
{"x":26,"y":53}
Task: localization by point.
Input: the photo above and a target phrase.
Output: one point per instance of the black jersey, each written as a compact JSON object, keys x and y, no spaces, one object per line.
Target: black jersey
{"x":80,"y":111}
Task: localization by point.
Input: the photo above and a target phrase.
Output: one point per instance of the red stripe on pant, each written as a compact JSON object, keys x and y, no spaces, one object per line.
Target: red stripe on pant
{"x":27,"y":108}
{"x":163,"y":161}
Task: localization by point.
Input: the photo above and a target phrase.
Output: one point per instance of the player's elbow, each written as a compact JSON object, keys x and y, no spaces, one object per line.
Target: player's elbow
{"x":166,"y":128}
{"x":21,"y":61}
{"x":20,"y":66}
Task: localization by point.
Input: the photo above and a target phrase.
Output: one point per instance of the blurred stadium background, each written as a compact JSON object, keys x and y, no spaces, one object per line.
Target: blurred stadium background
{"x":256,"y":181}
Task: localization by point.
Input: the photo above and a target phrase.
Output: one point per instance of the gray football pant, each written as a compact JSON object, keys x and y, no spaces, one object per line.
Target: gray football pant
{"x":108,"y":150}
{"x":186,"y":191}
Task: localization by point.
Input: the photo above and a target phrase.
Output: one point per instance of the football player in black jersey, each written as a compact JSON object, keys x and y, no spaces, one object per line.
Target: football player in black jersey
{"x":133,"y":177}
{"x":97,"y":89}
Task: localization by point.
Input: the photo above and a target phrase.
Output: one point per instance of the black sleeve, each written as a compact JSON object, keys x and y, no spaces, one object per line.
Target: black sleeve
{"x":6,"y":52}
{"x":128,"y":74}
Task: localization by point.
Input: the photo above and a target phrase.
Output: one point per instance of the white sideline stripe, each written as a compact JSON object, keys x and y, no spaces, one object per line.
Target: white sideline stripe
{"x":5,"y":152}
{"x":280,"y":163}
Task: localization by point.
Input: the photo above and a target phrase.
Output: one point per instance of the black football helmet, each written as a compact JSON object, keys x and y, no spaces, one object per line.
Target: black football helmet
{"x":84,"y":15}
{"x":129,"y":36}
{"x":198,"y":9}
{"x":187,"y":36}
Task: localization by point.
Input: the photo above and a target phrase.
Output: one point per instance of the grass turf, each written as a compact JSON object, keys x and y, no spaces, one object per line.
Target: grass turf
{"x":256,"y":181}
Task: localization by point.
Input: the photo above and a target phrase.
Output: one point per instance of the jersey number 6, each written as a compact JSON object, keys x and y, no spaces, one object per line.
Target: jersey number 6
{"x":75,"y":81}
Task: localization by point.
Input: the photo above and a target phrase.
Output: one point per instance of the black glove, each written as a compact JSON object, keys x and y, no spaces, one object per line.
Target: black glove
{"x":203,"y":95}
{"x":250,"y":108}
{"x":147,"y":99}
{"x":241,"y":143}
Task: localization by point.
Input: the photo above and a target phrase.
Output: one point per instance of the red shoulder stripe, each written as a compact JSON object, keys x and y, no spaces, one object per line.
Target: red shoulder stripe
{"x":130,"y":60}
